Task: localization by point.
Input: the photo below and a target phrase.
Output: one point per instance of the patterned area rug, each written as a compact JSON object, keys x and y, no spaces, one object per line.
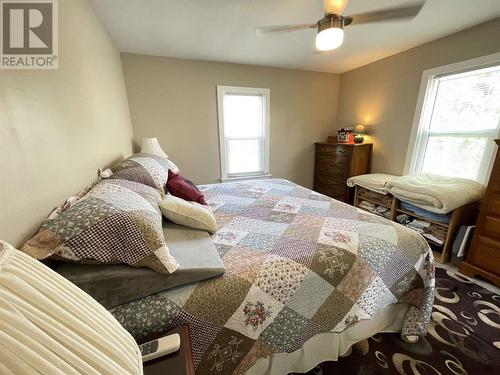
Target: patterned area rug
{"x":463,"y":338}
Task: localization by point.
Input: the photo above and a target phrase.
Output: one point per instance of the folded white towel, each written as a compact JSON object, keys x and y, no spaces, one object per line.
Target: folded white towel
{"x":373,"y":181}
{"x":435,"y":193}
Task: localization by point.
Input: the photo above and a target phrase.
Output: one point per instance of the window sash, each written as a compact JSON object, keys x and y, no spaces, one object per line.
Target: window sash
{"x":260,"y":170}
{"x":263,"y":139}
{"x":425,"y":107}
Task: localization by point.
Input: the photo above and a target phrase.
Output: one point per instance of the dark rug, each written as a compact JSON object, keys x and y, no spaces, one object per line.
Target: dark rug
{"x":463,"y":337}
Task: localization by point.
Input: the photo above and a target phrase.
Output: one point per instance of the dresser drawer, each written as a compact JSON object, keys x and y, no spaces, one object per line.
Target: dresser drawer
{"x":493,"y":205}
{"x":334,"y":165}
{"x":335,"y":152}
{"x":326,"y":180}
{"x":485,"y":253}
{"x":331,"y":187}
{"x":333,"y":171}
{"x":339,"y":195}
{"x":491,"y":226}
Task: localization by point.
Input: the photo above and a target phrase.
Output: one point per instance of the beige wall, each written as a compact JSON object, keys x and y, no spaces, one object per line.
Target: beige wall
{"x":175,"y":100}
{"x":384,"y":93}
{"x":57,"y":127}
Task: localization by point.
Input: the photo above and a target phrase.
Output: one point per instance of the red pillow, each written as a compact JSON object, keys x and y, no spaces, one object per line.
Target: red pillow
{"x":181,"y":187}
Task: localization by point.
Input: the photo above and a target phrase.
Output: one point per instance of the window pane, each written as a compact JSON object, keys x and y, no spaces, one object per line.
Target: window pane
{"x":243,"y":156}
{"x":243,"y":116}
{"x":467,"y":103}
{"x":455,"y":156}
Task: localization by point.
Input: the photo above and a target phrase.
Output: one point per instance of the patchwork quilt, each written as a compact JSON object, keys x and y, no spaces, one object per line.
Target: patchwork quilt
{"x":297,"y":264}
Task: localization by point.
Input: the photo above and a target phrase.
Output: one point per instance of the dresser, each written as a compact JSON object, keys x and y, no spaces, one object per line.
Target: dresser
{"x":335,"y":163}
{"x":483,"y":257}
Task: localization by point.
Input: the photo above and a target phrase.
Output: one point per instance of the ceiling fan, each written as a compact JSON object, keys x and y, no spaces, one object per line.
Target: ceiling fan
{"x":331,"y":27}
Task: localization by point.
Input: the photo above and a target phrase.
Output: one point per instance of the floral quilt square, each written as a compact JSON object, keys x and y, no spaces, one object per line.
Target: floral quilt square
{"x":339,"y":238}
{"x":287,"y":207}
{"x":280,"y":277}
{"x":255,"y":313}
{"x":228,"y":237}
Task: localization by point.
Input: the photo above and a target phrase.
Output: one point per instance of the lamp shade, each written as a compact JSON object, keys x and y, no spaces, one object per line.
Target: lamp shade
{"x":359,"y":129}
{"x":151,"y":146}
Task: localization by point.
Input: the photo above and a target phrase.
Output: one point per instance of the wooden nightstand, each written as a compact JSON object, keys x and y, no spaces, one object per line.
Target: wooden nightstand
{"x":335,"y":163}
{"x":178,"y":363}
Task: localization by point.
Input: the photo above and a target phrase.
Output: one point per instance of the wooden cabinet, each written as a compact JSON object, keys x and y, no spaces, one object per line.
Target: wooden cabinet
{"x":335,"y":163}
{"x":483,"y":257}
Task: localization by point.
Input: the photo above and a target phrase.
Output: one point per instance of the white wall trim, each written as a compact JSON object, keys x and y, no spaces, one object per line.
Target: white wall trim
{"x":427,"y":93}
{"x":266,"y":93}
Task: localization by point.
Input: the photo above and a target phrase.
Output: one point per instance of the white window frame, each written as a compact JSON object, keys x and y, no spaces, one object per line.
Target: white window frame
{"x":237,"y":90}
{"x":423,"y":112}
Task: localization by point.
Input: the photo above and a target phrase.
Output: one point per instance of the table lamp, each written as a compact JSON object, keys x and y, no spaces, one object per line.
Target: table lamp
{"x":151,"y":146}
{"x":359,"y":130}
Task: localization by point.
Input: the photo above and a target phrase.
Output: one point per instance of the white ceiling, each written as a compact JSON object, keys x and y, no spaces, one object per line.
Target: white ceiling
{"x":223,"y":30}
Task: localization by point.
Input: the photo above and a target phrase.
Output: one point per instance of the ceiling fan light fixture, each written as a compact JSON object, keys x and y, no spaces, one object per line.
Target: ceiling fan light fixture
{"x":329,"y":39}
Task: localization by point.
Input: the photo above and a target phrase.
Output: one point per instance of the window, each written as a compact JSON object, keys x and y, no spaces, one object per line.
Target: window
{"x":457,"y":121}
{"x":243,"y":131}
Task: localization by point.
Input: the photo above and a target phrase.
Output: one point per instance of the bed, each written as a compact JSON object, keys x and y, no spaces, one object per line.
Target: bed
{"x":306,"y":277}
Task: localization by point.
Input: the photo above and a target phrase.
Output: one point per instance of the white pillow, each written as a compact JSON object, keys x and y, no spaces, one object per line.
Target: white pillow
{"x":190,"y":214}
{"x":50,"y":326}
{"x":171,"y":165}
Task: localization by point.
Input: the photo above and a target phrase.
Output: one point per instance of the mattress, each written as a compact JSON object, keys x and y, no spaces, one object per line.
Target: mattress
{"x":306,"y":276}
{"x":113,"y":285}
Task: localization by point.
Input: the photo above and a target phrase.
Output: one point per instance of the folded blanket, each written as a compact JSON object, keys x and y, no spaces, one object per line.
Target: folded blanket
{"x":440,"y":218}
{"x":435,"y":193}
{"x":373,"y":181}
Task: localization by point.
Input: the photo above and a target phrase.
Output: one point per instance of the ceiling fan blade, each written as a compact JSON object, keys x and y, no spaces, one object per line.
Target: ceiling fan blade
{"x":284,"y":28}
{"x":335,"y":6}
{"x":387,"y":15}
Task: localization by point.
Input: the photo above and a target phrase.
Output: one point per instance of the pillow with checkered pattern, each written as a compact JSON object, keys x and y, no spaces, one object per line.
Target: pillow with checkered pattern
{"x":147,"y":169}
{"x":117,"y":221}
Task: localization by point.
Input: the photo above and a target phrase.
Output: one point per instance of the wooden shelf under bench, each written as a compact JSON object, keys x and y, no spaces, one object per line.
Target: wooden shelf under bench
{"x":464,"y":215}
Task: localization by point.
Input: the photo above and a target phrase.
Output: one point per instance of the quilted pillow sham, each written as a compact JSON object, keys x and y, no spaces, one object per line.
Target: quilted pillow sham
{"x":147,"y":169}
{"x":118,"y":221}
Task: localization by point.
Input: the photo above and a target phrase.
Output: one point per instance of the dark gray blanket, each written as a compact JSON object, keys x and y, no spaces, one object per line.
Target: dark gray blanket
{"x":113,"y":285}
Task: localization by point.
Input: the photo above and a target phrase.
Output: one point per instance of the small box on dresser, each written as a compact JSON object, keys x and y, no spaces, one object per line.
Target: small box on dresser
{"x":335,"y":163}
{"x":483,"y":257}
